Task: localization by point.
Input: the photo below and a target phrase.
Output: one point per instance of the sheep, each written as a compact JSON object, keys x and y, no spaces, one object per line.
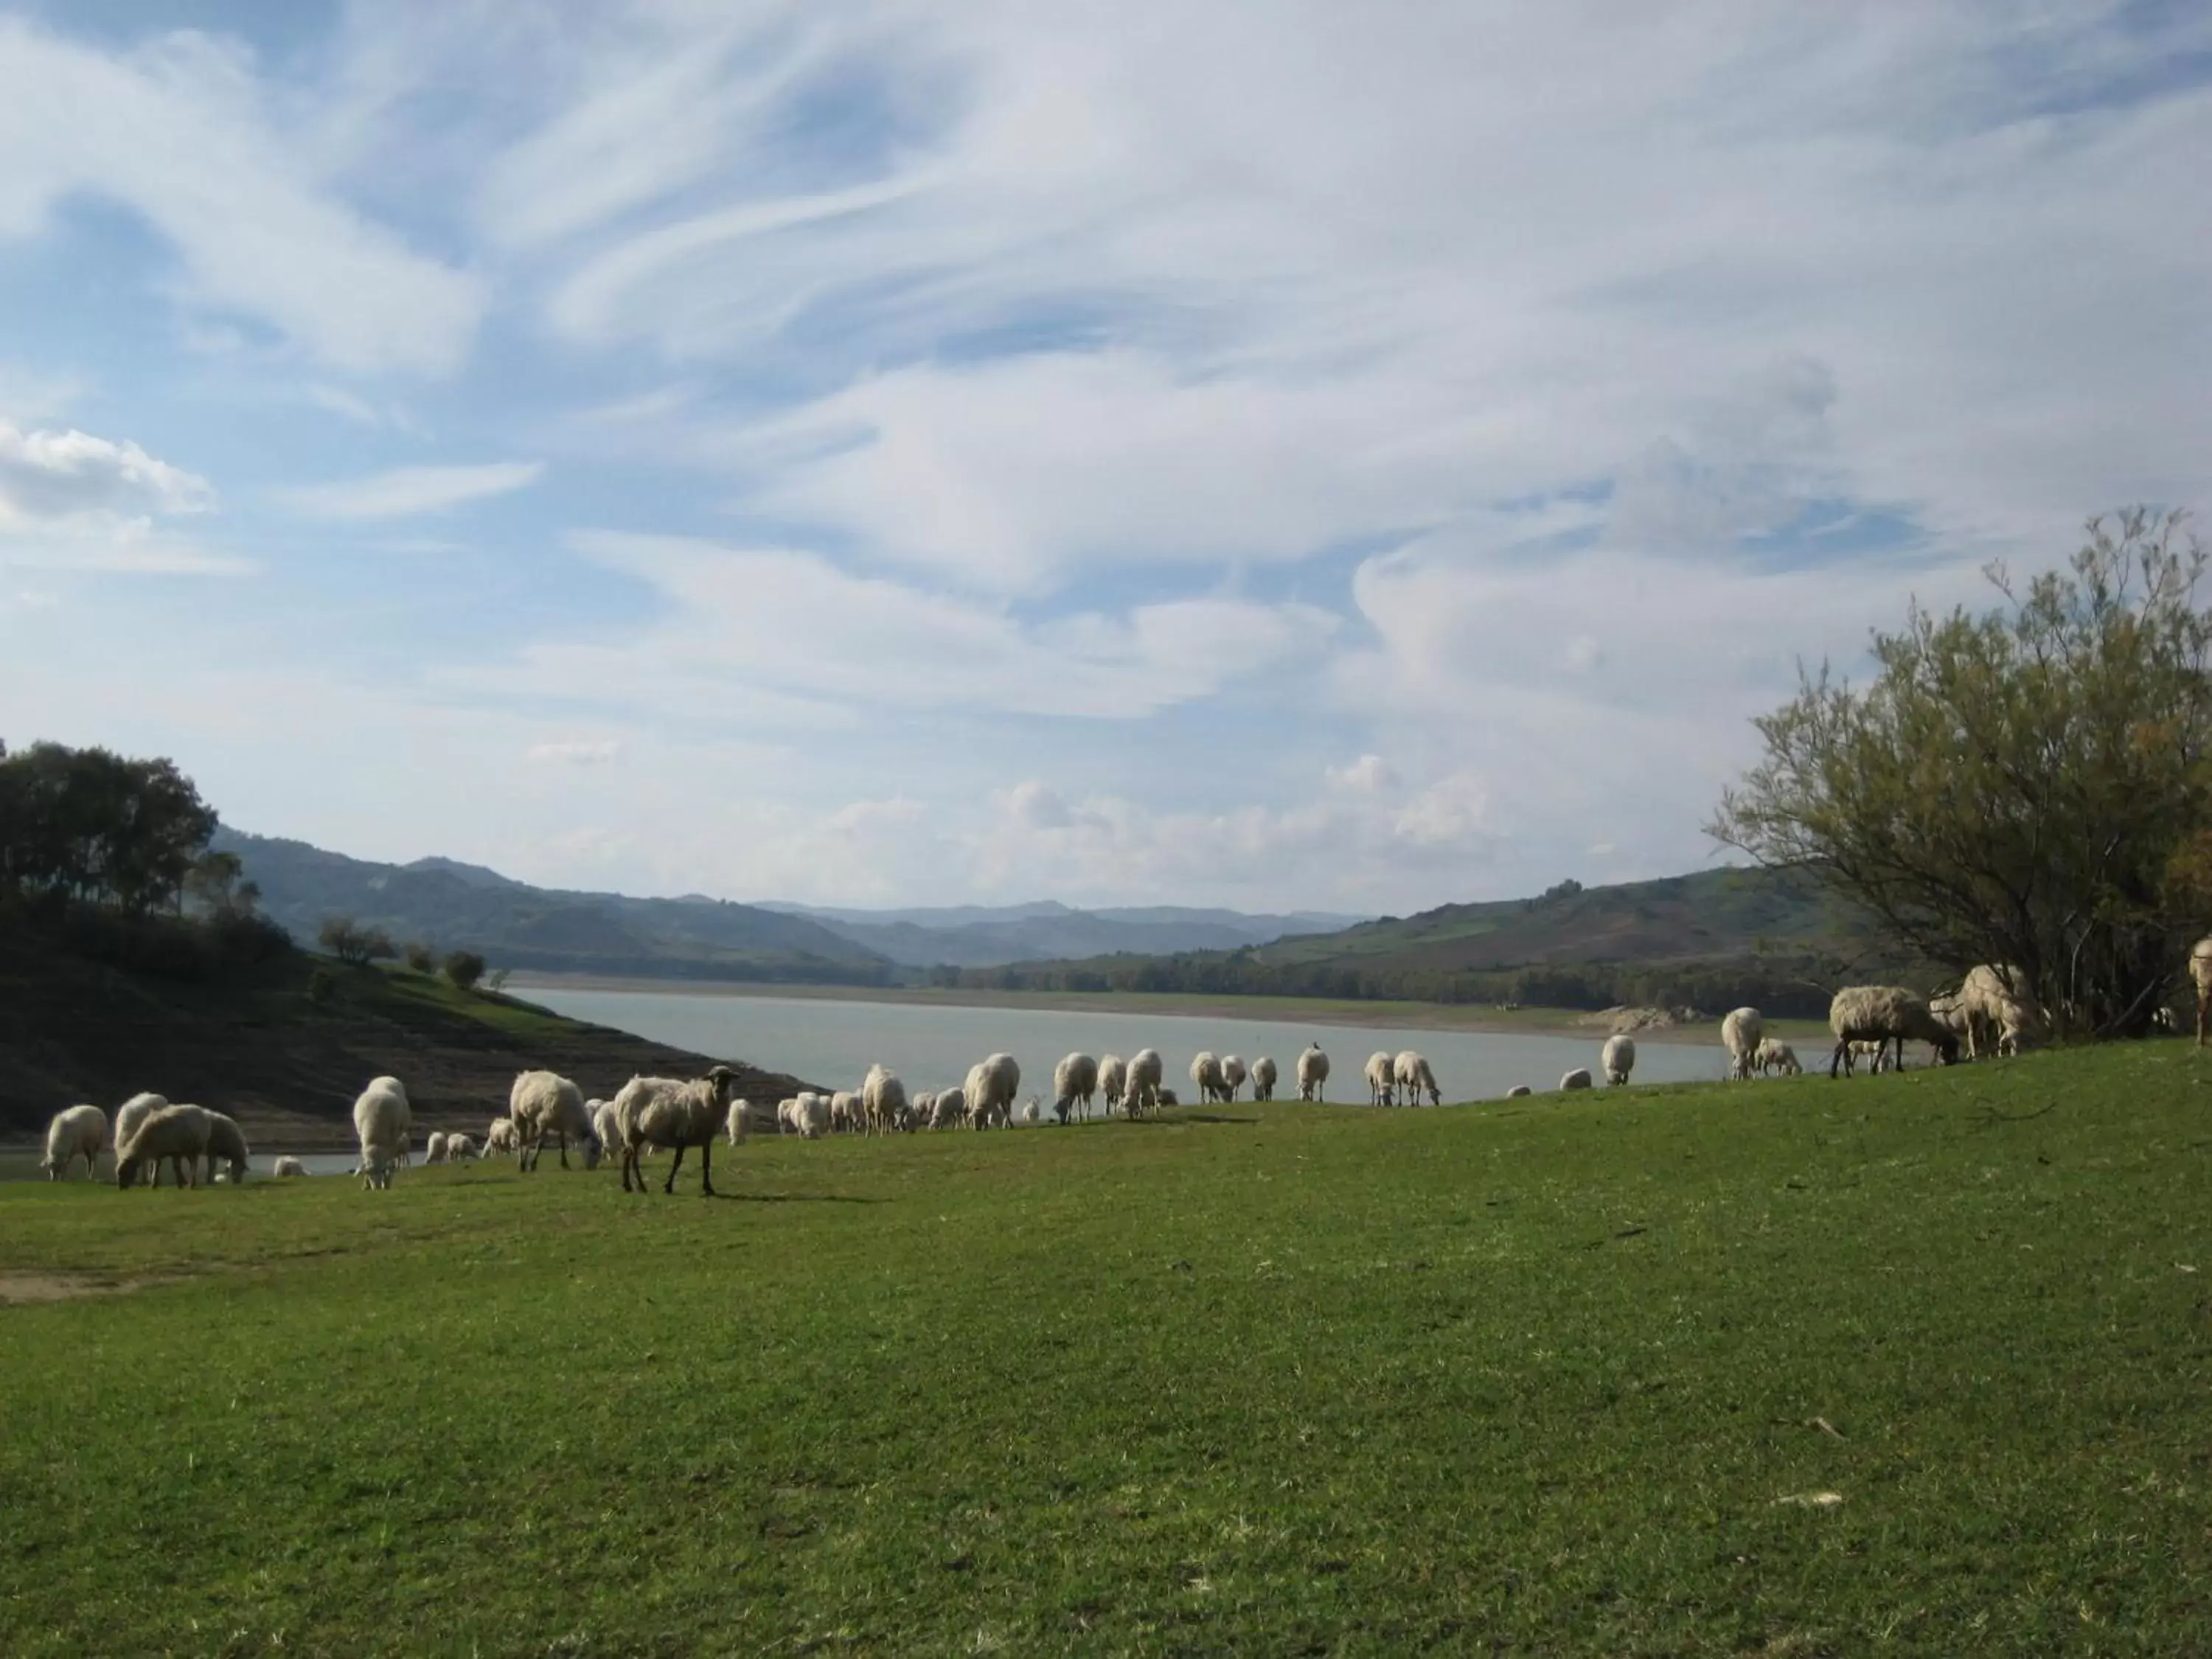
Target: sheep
{"x":1165,"y":1098}
{"x":883,"y":1100}
{"x":1740,"y":1034}
{"x":458,"y":1146}
{"x":1074,"y":1082}
{"x":1233,"y":1073}
{"x":1313,"y":1073}
{"x":132,"y":1113}
{"x":227,"y":1143}
{"x":176,"y":1135}
{"x":740,"y":1120}
{"x":541,"y":1104}
{"x":1577,"y":1078}
{"x":382,"y":1118}
{"x":1414,"y":1077}
{"x":1263,"y":1078}
{"x":845,"y":1111}
{"x":1774,"y":1056}
{"x":287,"y":1165}
{"x":1205,"y":1072}
{"x":1381,"y":1088}
{"x":1876,"y":1055}
{"x":499,"y":1137}
{"x":1029,"y":1109}
{"x":662,"y":1111}
{"x":989,"y":1094}
{"x":1998,"y":1010}
{"x":1144,"y":1093}
{"x":811,"y":1111}
{"x":434,"y":1150}
{"x":1517,"y":1091}
{"x":1618,"y":1058}
{"x":2200,"y":975}
{"x":75,"y":1132}
{"x":1885,"y":1014}
{"x":1113,"y":1080}
{"x":606,"y":1129}
{"x":949,"y":1109}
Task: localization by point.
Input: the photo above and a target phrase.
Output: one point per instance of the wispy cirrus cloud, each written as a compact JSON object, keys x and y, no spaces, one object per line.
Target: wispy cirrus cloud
{"x":408,"y":491}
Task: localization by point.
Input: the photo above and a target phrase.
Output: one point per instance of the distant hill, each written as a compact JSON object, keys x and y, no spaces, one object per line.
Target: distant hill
{"x":975,"y":936}
{"x":454,"y":906}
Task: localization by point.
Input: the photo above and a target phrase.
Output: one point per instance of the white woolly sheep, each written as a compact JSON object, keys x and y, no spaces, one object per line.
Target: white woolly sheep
{"x":1382,"y":1080}
{"x":176,"y":1135}
{"x":1144,"y":1093}
{"x":1263,"y":1078}
{"x":381,"y":1119}
{"x":1029,"y":1109}
{"x":1313,"y":1074}
{"x":287,"y":1165}
{"x":543,"y":1104}
{"x":1884,"y":1014}
{"x":740,"y":1120}
{"x":75,"y":1132}
{"x":607,"y":1128}
{"x":948,"y":1109}
{"x":1233,"y":1073}
{"x":1775,"y":1056}
{"x":1074,"y":1082}
{"x":845,"y":1111}
{"x":131,"y":1114}
{"x":1411,"y":1072}
{"x":1740,"y":1034}
{"x":1618,"y":1058}
{"x":226,"y":1144}
{"x":2200,"y":975}
{"x":458,"y":1146}
{"x":500,"y":1138}
{"x":662,"y":1111}
{"x":1205,"y":1074}
{"x":1577,"y":1078}
{"x":811,"y":1112}
{"x":434,"y":1149}
{"x":1999,"y":1010}
{"x":993,"y":1082}
{"x":1517,"y":1091}
{"x":1112,"y":1081}
{"x":883,"y":1100}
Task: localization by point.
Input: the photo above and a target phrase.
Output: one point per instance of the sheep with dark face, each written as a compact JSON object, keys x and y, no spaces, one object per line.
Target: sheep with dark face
{"x":1885,"y":1014}
{"x":659,"y":1111}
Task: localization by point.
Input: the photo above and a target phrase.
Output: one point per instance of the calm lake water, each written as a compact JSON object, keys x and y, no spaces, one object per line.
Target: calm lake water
{"x":833,"y":1043}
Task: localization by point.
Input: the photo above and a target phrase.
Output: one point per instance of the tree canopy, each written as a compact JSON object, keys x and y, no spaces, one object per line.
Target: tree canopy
{"x":2031,"y":786}
{"x":88,"y":824}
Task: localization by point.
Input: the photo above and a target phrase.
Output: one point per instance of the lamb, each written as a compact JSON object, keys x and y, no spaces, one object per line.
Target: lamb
{"x":1577,"y":1078}
{"x":1313,"y":1073}
{"x":132,"y":1113}
{"x":542,"y":1103}
{"x":811,"y":1113}
{"x":606,"y":1129}
{"x":1885,"y":1014}
{"x":1414,"y":1077}
{"x":499,"y":1137}
{"x":1618,"y":1058}
{"x":434,"y":1150}
{"x":1205,"y":1072}
{"x":75,"y":1132}
{"x":175,"y":1134}
{"x":1774,"y":1056}
{"x":1999,"y":1010}
{"x":458,"y":1146}
{"x":1074,"y":1082}
{"x":883,"y":1100}
{"x":2200,"y":975}
{"x":989,"y":1094}
{"x":1147,"y":1070}
{"x":1382,"y":1089}
{"x":1029,"y":1109}
{"x":1263,"y":1078}
{"x":1740,"y":1034}
{"x":949,"y":1109}
{"x":1113,"y":1080}
{"x":1233,"y":1073}
{"x":287,"y":1165}
{"x":382,"y":1118}
{"x":741,"y":1117}
{"x":662,"y":1111}
{"x":227,"y":1143}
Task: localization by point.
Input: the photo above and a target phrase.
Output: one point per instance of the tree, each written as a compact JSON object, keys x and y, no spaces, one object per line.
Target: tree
{"x":88,"y":824}
{"x":464,"y":968}
{"x":2024,"y":788}
{"x":420,"y":957}
{"x":355,"y":946}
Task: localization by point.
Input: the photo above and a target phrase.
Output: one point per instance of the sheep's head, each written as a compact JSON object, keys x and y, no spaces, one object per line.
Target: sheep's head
{"x":724,"y":1080}
{"x":126,"y":1170}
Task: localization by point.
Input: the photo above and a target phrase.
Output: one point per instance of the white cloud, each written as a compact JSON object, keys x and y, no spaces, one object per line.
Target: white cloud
{"x":46,"y":476}
{"x":578,"y":752}
{"x":1370,"y":775}
{"x":406,"y":491}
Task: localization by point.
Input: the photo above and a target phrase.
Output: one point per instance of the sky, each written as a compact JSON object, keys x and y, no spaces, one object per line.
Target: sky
{"x":1283,"y":455}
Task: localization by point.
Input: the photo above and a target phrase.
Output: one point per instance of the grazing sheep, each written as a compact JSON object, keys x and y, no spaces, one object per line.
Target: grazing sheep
{"x":662,"y":1111}
{"x":1112,"y":1081}
{"x":1313,"y":1074}
{"x":1999,"y":1011}
{"x":811,"y":1112}
{"x":1029,"y":1109}
{"x":542,"y":1103}
{"x":75,"y":1132}
{"x":1233,"y":1073}
{"x":500,"y":1137}
{"x":434,"y":1150}
{"x":1382,"y":1080}
{"x":883,"y":1100}
{"x":1774,"y":1056}
{"x":1618,"y":1058}
{"x":1144,"y":1095}
{"x":1205,"y":1072}
{"x":1411,"y":1072}
{"x":1517,"y":1091}
{"x":1577,"y":1078}
{"x":1740,"y":1034}
{"x":741,"y":1117}
{"x":458,"y":1146}
{"x":1876,"y":1055}
{"x":1884,"y":1014}
{"x":989,"y":1094}
{"x":607,"y":1128}
{"x":382,"y":1118}
{"x":1263,"y":1078}
{"x":287,"y":1165}
{"x":132,"y":1113}
{"x":1075,"y":1082}
{"x":227,"y":1145}
{"x":2200,"y":975}
{"x":1165,"y":1098}
{"x":177,"y":1135}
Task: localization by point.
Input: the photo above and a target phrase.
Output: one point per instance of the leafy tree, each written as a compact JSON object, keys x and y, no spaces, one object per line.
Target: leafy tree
{"x":353,"y":945}
{"x":420,"y":958}
{"x":464,"y":968}
{"x":88,"y":824}
{"x":497,"y":982}
{"x":2031,"y":786}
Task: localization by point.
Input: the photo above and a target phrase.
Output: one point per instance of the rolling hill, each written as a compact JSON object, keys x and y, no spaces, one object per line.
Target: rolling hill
{"x":975,"y":936}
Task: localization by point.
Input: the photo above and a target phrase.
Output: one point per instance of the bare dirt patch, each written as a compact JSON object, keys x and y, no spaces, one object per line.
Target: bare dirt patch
{"x":67,"y":1287}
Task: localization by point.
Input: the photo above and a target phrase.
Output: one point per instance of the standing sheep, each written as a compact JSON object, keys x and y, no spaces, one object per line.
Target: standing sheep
{"x":606,"y":1127}
{"x":740,"y":1120}
{"x":458,"y":1146}
{"x":132,"y":1113}
{"x":1999,"y":1011}
{"x":1740,"y":1034}
{"x":1884,"y":1014}
{"x":1112,"y":1081}
{"x":499,"y":1137}
{"x":1382,"y":1089}
{"x":434,"y":1149}
{"x":1411,"y":1072}
{"x":75,"y":1132}
{"x":287,"y":1165}
{"x":1774,"y":1056}
{"x":544,"y":1104}
{"x":381,"y":1119}
{"x":1313,"y":1073}
{"x":1205,"y":1072}
{"x":993,"y":1082}
{"x":661,"y":1111}
{"x":1263,"y":1078}
{"x":226,"y":1143}
{"x":1146,"y":1071}
{"x":1577,"y":1078}
{"x":883,"y":1100}
{"x":1074,"y":1084}
{"x":1233,"y":1073}
{"x":1618,"y":1058}
{"x":2200,"y":975}
{"x":177,"y":1135}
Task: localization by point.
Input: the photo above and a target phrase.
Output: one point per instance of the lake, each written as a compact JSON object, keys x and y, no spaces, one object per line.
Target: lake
{"x":833,"y":1041}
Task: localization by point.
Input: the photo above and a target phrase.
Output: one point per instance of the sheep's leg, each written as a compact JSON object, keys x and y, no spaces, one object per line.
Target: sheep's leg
{"x":564,"y":1149}
{"x":1841,"y":1057}
{"x":707,"y":1169}
{"x":2203,"y":1015}
{"x":670,"y":1185}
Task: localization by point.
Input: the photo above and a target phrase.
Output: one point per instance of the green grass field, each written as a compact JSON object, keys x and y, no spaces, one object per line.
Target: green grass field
{"x":1529,"y":1377}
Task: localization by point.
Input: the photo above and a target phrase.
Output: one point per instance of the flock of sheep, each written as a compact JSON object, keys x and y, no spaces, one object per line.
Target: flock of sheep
{"x":1990,"y":1012}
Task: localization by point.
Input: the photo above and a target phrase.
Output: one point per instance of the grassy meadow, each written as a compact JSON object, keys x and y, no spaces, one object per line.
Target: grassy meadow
{"x":1563,"y":1375}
